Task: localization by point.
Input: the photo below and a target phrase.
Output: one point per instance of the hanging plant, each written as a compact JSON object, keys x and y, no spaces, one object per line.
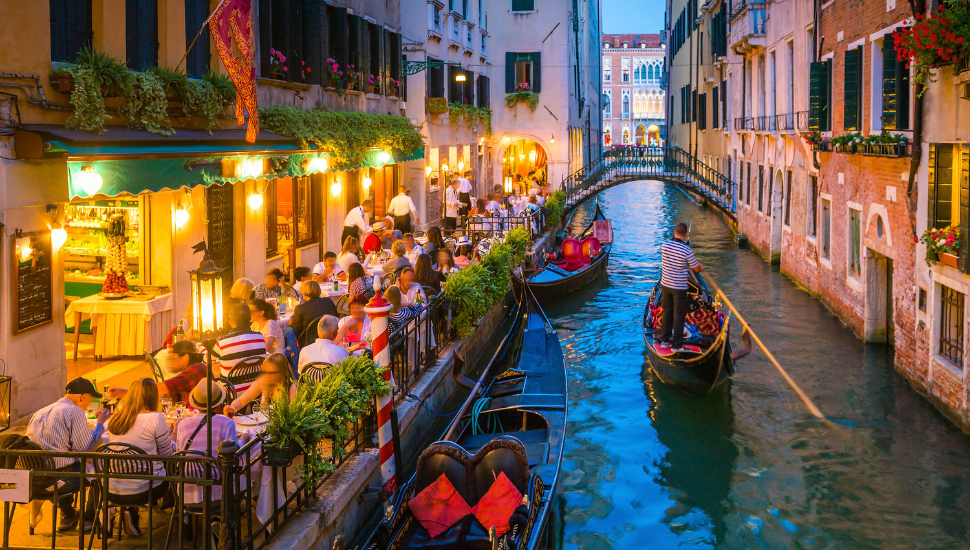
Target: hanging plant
{"x":530,"y":98}
{"x":89,"y":110}
{"x":461,"y":113}
{"x":935,"y":41}
{"x":146,"y":105}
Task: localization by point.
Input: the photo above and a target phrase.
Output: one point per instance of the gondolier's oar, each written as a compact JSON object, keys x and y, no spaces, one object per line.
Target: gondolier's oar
{"x":798,"y":391}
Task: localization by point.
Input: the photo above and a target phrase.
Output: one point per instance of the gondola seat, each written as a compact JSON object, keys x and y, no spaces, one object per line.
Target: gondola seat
{"x":591,"y":248}
{"x":707,"y":322}
{"x":571,"y":255}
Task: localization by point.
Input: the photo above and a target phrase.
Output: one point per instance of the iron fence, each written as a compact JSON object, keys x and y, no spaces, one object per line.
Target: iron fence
{"x":415,"y":344}
{"x":785,"y":122}
{"x":801,"y":120}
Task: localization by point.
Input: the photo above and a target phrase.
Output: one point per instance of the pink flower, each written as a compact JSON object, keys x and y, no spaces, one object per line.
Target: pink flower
{"x":329,"y":60}
{"x":271,"y":50}
{"x":284,"y":69}
{"x":341,"y":73}
{"x":282,"y":58}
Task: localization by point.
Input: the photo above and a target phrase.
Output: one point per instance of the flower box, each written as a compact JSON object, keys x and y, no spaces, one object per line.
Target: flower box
{"x":62,"y":83}
{"x":948,"y":259}
{"x":280,"y":456}
{"x":436,"y":105}
{"x":370,"y":89}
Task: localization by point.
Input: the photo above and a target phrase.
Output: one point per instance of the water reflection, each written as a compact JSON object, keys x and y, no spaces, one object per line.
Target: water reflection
{"x":747,"y":467}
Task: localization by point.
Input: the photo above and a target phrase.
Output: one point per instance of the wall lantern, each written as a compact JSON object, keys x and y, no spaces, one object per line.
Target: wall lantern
{"x":444,"y":168}
{"x":58,"y":236}
{"x":427,"y":171}
{"x":207,"y":285}
{"x":460,"y":77}
{"x":251,"y":168}
{"x":255,"y":201}
{"x":335,"y":187}
{"x":461,"y":166}
{"x":25,"y":252}
{"x":532,"y":156}
{"x":90,"y":180}
{"x":383,"y":157}
{"x":552,"y":139}
{"x":366,"y":181}
{"x":508,"y":184}
{"x":317,"y":164}
{"x":182,"y":207}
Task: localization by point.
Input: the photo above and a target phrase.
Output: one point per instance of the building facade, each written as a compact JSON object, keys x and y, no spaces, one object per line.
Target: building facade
{"x":634,"y":98}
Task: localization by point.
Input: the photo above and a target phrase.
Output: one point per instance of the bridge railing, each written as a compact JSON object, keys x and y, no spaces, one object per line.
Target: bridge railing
{"x":655,"y":162}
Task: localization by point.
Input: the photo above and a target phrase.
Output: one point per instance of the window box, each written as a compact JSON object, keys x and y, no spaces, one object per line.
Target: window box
{"x":62,"y":83}
{"x":280,"y":455}
{"x":948,"y":260}
{"x":436,"y":105}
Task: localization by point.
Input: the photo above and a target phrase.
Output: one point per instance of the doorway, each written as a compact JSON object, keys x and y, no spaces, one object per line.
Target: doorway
{"x":879,"y":309}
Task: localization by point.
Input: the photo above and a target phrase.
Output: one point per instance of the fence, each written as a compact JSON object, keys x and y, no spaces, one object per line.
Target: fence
{"x":497,"y":225}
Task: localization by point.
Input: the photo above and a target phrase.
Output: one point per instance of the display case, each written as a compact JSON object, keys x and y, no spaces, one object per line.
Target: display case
{"x":86,"y":249}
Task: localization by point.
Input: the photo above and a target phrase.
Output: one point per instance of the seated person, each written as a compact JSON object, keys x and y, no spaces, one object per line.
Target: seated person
{"x":413,"y":248}
{"x":352,"y":328}
{"x":327,"y":269}
{"x":348,"y":254}
{"x":323,"y":350}
{"x":241,"y":292}
{"x":301,"y":275}
{"x":428,"y":276}
{"x":272,"y":287}
{"x":63,"y":427}
{"x":399,"y":258}
{"x":275,"y":377}
{"x":311,"y":309}
{"x":356,"y":280}
{"x":410,"y":289}
{"x":186,"y":361}
{"x":239,"y":343}
{"x":190,"y":432}
{"x":400,"y":314}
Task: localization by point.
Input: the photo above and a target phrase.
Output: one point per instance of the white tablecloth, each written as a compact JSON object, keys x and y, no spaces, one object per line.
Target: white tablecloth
{"x":125,"y":327}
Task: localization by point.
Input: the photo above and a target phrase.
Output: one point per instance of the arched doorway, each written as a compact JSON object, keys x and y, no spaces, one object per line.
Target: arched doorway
{"x":640,"y":135}
{"x":653,"y":135}
{"x":522,"y":161}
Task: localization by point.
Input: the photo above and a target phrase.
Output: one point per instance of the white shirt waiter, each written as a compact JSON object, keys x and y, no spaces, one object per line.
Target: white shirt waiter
{"x":360,"y":219}
{"x":464,"y":186}
{"x":402,"y":205}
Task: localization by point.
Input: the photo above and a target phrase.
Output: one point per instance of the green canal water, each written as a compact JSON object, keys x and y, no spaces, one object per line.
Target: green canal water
{"x":746,"y":467}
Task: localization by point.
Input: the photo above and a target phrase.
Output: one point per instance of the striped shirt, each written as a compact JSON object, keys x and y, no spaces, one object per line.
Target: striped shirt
{"x":678,"y":259}
{"x":238,"y":345}
{"x":63,"y":426}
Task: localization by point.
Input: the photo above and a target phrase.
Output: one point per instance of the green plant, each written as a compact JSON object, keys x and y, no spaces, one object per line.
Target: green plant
{"x":146,"y":105}
{"x":347,"y":135}
{"x":478,"y":287}
{"x":89,"y":110}
{"x":201,"y":99}
{"x":813,"y":138}
{"x":223,"y":86}
{"x":518,"y":239}
{"x":886,"y":137}
{"x":173,"y":82}
{"x":459,"y":113}
{"x":848,"y":139}
{"x":530,"y":98}
{"x":556,"y":205}
{"x":934,"y":41}
{"x":111,"y":73}
{"x":944,"y":240}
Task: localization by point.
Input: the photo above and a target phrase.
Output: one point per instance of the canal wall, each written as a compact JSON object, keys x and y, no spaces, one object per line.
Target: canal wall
{"x":348,"y":500}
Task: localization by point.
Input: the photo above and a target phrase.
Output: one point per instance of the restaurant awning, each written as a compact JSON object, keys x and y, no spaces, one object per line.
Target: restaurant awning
{"x":132,"y":162}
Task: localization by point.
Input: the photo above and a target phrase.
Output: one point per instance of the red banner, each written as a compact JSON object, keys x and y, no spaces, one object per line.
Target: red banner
{"x":232,"y":24}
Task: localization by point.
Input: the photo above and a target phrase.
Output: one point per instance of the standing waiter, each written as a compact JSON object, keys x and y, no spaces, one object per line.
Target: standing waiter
{"x":677,"y":260}
{"x":402,"y":208}
{"x":357,"y":222}
{"x":464,"y":194}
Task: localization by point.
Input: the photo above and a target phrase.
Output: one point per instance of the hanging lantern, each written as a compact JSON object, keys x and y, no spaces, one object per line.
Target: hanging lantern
{"x":532,"y":156}
{"x":461,"y":166}
{"x":251,"y":168}
{"x":366,"y":181}
{"x":181,"y":216}
{"x":335,"y":187}
{"x":90,"y":180}
{"x":383,"y":157}
{"x":427,"y":171}
{"x":317,"y":164}
{"x":58,"y":236}
{"x":207,"y":285}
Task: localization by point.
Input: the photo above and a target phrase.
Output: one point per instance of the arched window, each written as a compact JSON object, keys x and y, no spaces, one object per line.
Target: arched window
{"x":607,"y":110}
{"x":626,"y":136}
{"x":626,"y":106}
{"x":650,"y":72}
{"x":606,"y":136}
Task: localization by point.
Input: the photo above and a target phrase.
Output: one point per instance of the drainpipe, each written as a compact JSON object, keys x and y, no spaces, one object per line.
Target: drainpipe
{"x":42,"y":101}
{"x":912,"y":191}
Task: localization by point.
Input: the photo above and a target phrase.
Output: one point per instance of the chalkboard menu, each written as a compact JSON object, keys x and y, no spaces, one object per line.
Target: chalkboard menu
{"x":32,"y":281}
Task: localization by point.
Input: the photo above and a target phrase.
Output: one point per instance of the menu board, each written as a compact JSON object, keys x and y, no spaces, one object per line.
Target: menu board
{"x":32,"y":281}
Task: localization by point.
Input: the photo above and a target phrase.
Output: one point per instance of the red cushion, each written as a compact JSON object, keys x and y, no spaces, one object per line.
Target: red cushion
{"x":438,"y":506}
{"x":496,"y":507}
{"x":572,"y":250}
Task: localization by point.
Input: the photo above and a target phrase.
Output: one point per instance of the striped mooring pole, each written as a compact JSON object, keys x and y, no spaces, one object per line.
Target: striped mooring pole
{"x":378,"y":309}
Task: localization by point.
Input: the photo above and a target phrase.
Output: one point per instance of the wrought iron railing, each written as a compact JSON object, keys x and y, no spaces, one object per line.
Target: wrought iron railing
{"x":801,"y":120}
{"x":785,"y":122}
{"x":496,"y":224}
{"x":416,"y":343}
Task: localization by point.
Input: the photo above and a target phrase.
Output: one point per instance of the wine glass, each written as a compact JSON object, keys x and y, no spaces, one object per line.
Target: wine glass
{"x":180,"y":408}
{"x":256,"y":409}
{"x":166,"y":404}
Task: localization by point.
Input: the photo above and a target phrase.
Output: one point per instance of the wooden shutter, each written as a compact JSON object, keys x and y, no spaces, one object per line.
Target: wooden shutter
{"x":141,"y":28}
{"x":510,"y":71}
{"x":702,"y":111}
{"x":715,"y":107}
{"x":536,"y":72}
{"x":199,"y":58}
{"x":337,"y":17}
{"x":963,"y":228}
{"x":354,"y":44}
{"x":314,"y":39}
{"x":931,"y":176}
{"x":818,"y":103}
{"x":523,"y":5}
{"x":939,"y":198}
{"x":265,"y":36}
{"x":363,"y":33}
{"x":852,"y":90}
{"x":395,"y":55}
{"x":380,"y":51}
{"x":70,"y":28}
{"x":436,"y":80}
{"x":889,"y":73}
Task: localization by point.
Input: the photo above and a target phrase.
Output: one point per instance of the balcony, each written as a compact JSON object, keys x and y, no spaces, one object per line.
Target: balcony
{"x":744,"y":124}
{"x":748,"y":28}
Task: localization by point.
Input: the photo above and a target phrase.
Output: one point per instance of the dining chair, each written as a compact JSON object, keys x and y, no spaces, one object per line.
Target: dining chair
{"x":315,"y":372}
{"x":245,"y":371}
{"x":196,"y":511}
{"x":309,"y":334}
{"x":387,"y":280}
{"x":343,"y":307}
{"x":41,"y":487}
{"x":156,"y":368}
{"x":127,"y":463}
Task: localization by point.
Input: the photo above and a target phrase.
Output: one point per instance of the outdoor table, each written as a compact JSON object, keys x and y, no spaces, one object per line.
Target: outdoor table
{"x":123,"y":327}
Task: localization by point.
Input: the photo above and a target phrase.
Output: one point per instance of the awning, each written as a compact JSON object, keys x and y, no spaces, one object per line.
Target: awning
{"x":132,"y":162}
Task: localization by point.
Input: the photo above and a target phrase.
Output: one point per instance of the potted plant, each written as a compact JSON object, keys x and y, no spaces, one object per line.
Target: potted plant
{"x":393,"y":87}
{"x":372,"y":83}
{"x":523,"y":92}
{"x":932,"y":42}
{"x":61,"y":78}
{"x":277,"y":64}
{"x":941,"y":245}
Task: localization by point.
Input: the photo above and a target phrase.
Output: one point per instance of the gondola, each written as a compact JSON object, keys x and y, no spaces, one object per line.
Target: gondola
{"x":578,"y":262}
{"x":510,"y":431}
{"x":708,"y":360}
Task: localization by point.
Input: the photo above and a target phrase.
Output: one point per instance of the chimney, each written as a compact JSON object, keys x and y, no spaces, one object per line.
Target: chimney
{"x":616,"y":41}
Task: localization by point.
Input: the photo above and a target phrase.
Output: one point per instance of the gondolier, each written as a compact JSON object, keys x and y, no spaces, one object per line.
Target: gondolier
{"x":357,"y":222}
{"x":401,"y":209}
{"x":464,"y":195}
{"x":677,"y":261}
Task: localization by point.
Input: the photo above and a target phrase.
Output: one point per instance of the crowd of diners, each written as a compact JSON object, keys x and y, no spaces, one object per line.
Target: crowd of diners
{"x":319,"y":333}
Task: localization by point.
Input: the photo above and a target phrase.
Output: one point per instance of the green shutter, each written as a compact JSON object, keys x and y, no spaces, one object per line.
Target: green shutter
{"x":890,"y":69}
{"x":852,"y":90}
{"x":963,"y":236}
{"x":315,"y":39}
{"x":536,"y":72}
{"x":363,"y":34}
{"x":939,"y":198}
{"x":338,"y":34}
{"x":523,"y":5}
{"x":931,"y":188}
{"x":509,"y":72}
{"x":816,"y":94}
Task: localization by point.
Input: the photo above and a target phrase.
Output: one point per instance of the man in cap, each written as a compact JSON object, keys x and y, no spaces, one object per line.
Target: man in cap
{"x":63,"y":426}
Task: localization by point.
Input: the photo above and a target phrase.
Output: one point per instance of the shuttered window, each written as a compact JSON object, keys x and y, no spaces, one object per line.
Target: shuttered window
{"x":461,"y":91}
{"x":523,"y":5}
{"x":358,"y":47}
{"x":761,"y":186}
{"x":70,"y":28}
{"x":141,"y":33}
{"x":337,"y":34}
{"x":948,"y":199}
{"x":482,"y":91}
{"x":394,"y":61}
{"x":715,"y":107}
{"x":523,"y":67}
{"x":963,"y":236}
{"x":724,"y":115}
{"x":198,"y":59}
{"x":895,"y":88}
{"x":436,"y":79}
{"x":819,"y":99}
{"x":316,"y":43}
{"x":281,"y":28}
{"x":852,"y":89}
{"x":788,"y":197}
{"x":693,"y":106}
{"x":702,"y":112}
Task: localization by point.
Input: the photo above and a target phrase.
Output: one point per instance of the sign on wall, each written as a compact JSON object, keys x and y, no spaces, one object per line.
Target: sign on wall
{"x":32,"y":281}
{"x":15,"y":486}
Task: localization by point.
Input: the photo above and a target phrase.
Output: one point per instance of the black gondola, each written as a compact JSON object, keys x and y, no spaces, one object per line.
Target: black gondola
{"x":516,"y":426}
{"x":708,"y":361}
{"x":563,"y":275}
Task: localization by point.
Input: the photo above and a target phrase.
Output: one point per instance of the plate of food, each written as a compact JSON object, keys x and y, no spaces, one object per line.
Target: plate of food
{"x":115,"y":295}
{"x":255,"y":419}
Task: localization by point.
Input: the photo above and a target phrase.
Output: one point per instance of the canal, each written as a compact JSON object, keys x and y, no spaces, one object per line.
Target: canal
{"x":746,"y":467}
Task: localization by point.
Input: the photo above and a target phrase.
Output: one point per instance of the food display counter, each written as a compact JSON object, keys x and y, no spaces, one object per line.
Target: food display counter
{"x":87,"y":250}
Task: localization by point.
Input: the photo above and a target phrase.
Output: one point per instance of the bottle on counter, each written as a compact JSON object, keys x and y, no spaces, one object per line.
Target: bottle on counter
{"x":180,"y":331}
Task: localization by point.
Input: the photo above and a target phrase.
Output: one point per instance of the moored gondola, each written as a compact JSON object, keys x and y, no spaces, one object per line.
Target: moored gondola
{"x":498,"y":462}
{"x":578,"y":262}
{"x":707,"y":359}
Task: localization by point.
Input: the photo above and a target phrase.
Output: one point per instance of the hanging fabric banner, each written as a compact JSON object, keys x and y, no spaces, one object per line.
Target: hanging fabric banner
{"x":232,"y":22}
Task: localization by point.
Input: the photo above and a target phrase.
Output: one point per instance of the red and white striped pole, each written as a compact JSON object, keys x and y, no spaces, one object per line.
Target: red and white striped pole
{"x":378,"y":309}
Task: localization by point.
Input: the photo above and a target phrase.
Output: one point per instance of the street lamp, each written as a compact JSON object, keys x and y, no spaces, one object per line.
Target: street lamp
{"x":207,"y":285}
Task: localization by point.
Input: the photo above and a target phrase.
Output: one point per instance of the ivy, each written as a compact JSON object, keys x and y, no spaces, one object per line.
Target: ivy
{"x":530,"y":98}
{"x":461,"y":113}
{"x":348,"y":136}
{"x":89,"y":111}
{"x":556,"y":205}
{"x":146,"y":105}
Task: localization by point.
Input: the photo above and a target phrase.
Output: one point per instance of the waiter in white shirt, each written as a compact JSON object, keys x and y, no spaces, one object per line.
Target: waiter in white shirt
{"x":452,"y":204}
{"x":402,"y":208}
{"x":464,"y":194}
{"x":357,"y":222}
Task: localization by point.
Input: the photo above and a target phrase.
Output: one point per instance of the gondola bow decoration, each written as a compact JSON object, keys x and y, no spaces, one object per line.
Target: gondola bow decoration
{"x":232,"y":25}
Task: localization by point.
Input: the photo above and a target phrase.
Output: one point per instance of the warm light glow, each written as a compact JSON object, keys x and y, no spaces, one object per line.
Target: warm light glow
{"x":25,"y":253}
{"x":444,"y":168}
{"x":552,"y":139}
{"x":335,"y":188}
{"x":505,"y":138}
{"x":460,"y":77}
{"x":427,"y":171}
{"x":90,"y":180}
{"x":504,"y":159}
{"x":481,"y":140}
{"x":208,"y":312}
{"x":521,"y":156}
{"x":383,"y":157}
{"x":255,"y":201}
{"x":508,"y":184}
{"x":181,"y":216}
{"x":532,"y":156}
{"x":251,"y":168}
{"x":366,"y":181}
{"x":58,"y":236}
{"x":461,"y":166}
{"x":318,"y":164}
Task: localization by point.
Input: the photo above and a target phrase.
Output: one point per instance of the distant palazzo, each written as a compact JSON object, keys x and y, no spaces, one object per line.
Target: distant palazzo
{"x":633,"y":90}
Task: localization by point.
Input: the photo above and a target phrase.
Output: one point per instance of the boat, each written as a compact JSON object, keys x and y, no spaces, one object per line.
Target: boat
{"x":578,"y":262}
{"x":513,"y":425}
{"x":708,"y":359}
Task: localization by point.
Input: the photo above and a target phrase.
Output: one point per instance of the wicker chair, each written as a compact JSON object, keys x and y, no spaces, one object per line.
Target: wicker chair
{"x":315,"y":372}
{"x":343,"y":305}
{"x":309,"y":334}
{"x":41,"y":487}
{"x":388,"y":280}
{"x":156,"y":368}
